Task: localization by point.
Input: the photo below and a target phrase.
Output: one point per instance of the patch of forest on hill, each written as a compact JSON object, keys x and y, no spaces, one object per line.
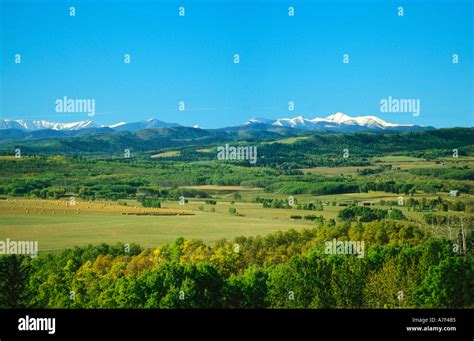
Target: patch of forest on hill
{"x":57,"y":176}
{"x":318,"y":149}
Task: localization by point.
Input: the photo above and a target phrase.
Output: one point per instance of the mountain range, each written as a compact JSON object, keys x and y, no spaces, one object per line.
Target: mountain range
{"x":336,"y":122}
{"x":32,"y":125}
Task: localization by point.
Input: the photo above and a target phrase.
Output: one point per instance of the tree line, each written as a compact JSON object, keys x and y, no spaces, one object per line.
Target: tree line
{"x":403,"y":266}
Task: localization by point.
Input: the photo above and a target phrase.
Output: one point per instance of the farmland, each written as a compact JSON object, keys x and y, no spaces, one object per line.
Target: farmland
{"x":58,"y":227}
{"x":115,"y":229}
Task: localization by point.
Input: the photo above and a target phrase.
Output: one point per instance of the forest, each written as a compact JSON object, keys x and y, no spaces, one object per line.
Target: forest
{"x":403,"y":267}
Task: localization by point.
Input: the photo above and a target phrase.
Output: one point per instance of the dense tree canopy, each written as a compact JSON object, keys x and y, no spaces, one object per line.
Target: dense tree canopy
{"x":402,"y":267}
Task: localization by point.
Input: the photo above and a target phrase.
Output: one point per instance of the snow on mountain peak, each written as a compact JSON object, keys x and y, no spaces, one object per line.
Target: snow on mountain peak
{"x":257,"y":120}
{"x":41,"y":124}
{"x":339,"y":117}
{"x":31,"y":125}
{"x":117,"y":125}
{"x":336,"y":120}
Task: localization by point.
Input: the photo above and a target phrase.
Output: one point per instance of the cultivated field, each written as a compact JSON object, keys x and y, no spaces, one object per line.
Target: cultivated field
{"x":56,"y":224}
{"x":94,"y":223}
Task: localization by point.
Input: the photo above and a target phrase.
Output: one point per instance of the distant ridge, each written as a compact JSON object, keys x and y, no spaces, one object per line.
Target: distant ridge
{"x":336,"y":122}
{"x":31,"y":125}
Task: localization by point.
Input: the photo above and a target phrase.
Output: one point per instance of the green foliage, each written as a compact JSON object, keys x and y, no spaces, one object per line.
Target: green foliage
{"x":396,"y":214}
{"x":402,"y":267}
{"x":363,"y":213}
{"x":327,"y":187}
{"x":236,"y":196}
{"x":150,"y":202}
{"x":444,"y":285}
{"x":13,"y":278}
{"x":445,"y":173}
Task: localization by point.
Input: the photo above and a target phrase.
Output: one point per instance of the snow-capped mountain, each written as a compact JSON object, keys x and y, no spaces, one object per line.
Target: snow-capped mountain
{"x":29,"y":125}
{"x":338,"y":121}
{"x":116,"y":125}
{"x":258,"y":120}
{"x":151,"y":123}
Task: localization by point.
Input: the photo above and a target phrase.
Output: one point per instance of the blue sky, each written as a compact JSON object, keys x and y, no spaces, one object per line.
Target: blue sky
{"x":282,"y":59}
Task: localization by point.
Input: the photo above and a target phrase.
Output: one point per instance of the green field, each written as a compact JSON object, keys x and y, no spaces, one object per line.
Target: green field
{"x":60,"y":231}
{"x":170,"y":153}
{"x":336,"y":170}
{"x":93,"y":224}
{"x":397,"y":158}
{"x":288,"y":140}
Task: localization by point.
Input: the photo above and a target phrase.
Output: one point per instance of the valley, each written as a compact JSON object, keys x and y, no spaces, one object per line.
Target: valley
{"x":106,"y":222}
